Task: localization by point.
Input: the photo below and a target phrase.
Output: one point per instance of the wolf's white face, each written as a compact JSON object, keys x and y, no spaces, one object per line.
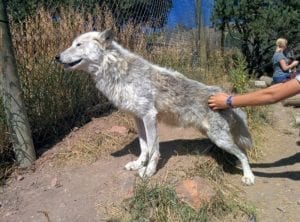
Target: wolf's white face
{"x":87,"y":51}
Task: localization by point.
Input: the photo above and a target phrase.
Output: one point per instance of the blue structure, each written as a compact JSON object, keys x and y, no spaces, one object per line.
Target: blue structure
{"x":183,"y":13}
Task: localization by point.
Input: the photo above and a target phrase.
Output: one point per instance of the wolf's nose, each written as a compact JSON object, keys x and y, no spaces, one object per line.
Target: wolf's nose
{"x":57,"y":57}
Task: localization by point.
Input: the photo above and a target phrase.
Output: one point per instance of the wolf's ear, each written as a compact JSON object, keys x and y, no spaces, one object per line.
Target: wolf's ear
{"x":106,"y":37}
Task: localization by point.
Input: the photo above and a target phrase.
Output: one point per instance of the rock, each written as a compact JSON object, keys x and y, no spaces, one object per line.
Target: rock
{"x":20,"y":177}
{"x":297,"y":119}
{"x":119,"y":129}
{"x":55,"y":183}
{"x":260,"y":84}
{"x":195,"y":192}
{"x":252,"y":218}
{"x":268,"y":80}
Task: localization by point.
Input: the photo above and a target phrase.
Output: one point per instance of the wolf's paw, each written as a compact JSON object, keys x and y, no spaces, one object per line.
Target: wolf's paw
{"x":248,"y":180}
{"x":145,"y":172}
{"x":134,"y":165}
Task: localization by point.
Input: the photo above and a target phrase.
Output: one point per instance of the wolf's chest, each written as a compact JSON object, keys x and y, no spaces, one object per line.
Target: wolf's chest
{"x":119,"y":93}
{"x":128,"y":95}
{"x":113,"y":90}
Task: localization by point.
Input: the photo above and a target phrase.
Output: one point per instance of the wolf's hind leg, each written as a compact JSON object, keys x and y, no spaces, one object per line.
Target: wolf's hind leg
{"x":150,"y":124}
{"x":224,"y":141}
{"x":141,"y":161}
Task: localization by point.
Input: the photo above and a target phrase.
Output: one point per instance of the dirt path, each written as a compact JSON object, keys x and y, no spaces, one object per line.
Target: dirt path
{"x":276,"y":193}
{"x":89,"y":192}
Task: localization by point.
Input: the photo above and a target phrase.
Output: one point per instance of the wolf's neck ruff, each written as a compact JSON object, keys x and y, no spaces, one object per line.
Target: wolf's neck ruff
{"x":113,"y":62}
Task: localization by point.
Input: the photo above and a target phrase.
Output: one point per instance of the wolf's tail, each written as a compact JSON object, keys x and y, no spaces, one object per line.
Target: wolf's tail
{"x":240,"y":131}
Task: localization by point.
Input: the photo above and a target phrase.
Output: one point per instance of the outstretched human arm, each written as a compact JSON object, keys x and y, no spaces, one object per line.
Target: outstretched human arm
{"x":265,"y":96}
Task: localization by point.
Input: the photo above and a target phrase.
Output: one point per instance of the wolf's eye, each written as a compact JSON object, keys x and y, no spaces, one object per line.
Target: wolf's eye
{"x":78,"y":44}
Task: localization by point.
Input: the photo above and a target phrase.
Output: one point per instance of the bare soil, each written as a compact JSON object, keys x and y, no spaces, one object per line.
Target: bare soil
{"x":92,"y":190}
{"x":276,"y":193}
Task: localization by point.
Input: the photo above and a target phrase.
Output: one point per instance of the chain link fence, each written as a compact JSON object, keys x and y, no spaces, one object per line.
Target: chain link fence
{"x":57,"y":101}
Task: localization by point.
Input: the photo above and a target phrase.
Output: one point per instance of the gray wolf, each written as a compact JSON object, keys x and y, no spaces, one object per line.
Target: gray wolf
{"x":151,"y":93}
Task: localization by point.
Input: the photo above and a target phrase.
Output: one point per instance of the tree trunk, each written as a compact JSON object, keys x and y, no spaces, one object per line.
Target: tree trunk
{"x":222,"y":40}
{"x":12,"y":96}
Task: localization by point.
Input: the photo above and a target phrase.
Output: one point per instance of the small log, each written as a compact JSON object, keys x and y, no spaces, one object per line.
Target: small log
{"x":292,"y":101}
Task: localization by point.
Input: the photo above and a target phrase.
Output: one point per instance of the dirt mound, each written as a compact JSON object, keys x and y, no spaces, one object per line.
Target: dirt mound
{"x":89,"y":190}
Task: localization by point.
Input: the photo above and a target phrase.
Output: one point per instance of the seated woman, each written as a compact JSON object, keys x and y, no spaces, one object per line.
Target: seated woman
{"x":280,"y":63}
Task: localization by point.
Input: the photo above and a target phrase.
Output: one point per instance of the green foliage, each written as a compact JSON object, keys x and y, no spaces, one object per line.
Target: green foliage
{"x":256,"y":25}
{"x":240,"y":80}
{"x":238,"y":75}
{"x":161,"y":203}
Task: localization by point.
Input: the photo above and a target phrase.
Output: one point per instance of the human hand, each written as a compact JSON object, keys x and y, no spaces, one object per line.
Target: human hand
{"x":295,"y":63}
{"x":218,"y":101}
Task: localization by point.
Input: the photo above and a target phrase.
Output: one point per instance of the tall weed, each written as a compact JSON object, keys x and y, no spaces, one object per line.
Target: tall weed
{"x":257,"y":116}
{"x":238,"y":75}
{"x":55,"y":100}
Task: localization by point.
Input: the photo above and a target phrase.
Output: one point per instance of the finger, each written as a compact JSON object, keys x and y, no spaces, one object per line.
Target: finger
{"x":212,"y":106}
{"x":210,"y":99}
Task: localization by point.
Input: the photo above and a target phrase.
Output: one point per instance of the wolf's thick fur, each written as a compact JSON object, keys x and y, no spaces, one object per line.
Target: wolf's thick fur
{"x":150,"y":92}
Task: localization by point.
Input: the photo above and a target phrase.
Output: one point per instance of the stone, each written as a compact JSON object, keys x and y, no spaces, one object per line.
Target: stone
{"x":119,"y":130}
{"x":268,"y":80}
{"x":195,"y":192}
{"x":260,"y":84}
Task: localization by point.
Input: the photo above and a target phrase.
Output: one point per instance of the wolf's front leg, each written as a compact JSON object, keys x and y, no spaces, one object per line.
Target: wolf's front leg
{"x":142,"y":160}
{"x":150,"y":124}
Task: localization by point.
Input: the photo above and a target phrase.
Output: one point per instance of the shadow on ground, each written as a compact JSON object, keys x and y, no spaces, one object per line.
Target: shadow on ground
{"x":206,"y":147}
{"x":291,"y":160}
{"x":171,"y":148}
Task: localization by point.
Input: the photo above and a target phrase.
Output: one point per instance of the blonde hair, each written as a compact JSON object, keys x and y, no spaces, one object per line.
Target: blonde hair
{"x":280,"y":44}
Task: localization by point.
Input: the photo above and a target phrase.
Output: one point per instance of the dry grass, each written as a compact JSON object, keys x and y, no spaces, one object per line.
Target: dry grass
{"x":89,"y":143}
{"x":57,"y":101}
{"x":158,"y":201}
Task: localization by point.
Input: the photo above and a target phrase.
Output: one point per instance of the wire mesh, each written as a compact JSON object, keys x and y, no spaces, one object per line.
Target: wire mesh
{"x":56,"y":100}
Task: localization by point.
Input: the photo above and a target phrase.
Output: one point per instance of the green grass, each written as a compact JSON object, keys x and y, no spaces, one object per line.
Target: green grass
{"x":159,"y":202}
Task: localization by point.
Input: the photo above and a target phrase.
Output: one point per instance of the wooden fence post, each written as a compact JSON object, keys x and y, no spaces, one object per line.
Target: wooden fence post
{"x":12,"y":96}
